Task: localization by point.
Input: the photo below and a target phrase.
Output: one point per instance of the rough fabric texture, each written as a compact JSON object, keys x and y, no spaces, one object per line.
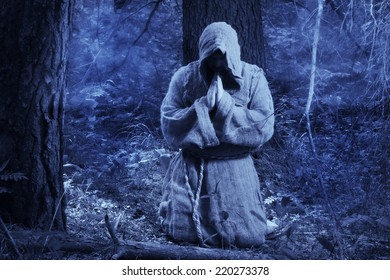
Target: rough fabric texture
{"x":211,"y":192}
{"x":221,"y":36}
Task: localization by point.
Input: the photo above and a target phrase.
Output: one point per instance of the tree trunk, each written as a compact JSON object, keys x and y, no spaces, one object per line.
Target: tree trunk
{"x":243,"y":16}
{"x":33,"y":60}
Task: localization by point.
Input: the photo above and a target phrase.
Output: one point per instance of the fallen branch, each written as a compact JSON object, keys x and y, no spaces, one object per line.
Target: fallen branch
{"x":63,"y":242}
{"x":157,"y":251}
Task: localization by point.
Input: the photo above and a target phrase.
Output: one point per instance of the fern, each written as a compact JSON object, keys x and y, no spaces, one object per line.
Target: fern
{"x":12,"y":177}
{"x":17,"y":176}
{"x":269,"y":200}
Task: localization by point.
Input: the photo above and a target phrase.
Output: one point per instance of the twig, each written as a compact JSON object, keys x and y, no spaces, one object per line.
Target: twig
{"x":111,"y":230}
{"x":157,"y":3}
{"x":114,"y":30}
{"x":56,"y":211}
{"x":146,"y":27}
{"x":10,"y":239}
{"x":307,"y":114}
{"x":52,"y":221}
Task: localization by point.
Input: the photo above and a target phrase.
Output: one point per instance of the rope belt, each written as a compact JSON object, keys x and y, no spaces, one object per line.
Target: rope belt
{"x":211,"y":156}
{"x":195,"y":200}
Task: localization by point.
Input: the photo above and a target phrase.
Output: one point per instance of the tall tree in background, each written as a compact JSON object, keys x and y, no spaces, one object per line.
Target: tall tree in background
{"x":33,"y":60}
{"x":243,"y":16}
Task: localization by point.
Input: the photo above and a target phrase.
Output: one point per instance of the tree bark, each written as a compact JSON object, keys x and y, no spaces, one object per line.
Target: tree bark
{"x":33,"y":64}
{"x":244,"y":16}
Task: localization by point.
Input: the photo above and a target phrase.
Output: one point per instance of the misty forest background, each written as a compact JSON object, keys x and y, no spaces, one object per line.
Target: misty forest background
{"x":330,"y":204}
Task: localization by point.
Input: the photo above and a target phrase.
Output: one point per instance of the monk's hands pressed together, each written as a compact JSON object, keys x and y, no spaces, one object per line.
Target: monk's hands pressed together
{"x":215,"y":92}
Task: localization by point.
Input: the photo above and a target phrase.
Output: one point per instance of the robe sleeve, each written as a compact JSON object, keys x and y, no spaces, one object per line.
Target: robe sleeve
{"x":249,"y":126}
{"x":183,"y":125}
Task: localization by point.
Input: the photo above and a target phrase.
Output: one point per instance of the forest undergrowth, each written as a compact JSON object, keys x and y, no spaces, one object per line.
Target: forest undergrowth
{"x":115,"y":157}
{"x":108,"y":171}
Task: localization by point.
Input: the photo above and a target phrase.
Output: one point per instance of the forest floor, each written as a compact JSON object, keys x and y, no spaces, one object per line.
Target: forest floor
{"x":117,"y":167}
{"x":115,"y":157}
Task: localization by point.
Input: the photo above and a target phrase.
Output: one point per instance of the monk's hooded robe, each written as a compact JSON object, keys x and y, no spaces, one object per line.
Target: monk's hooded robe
{"x":211,"y":192}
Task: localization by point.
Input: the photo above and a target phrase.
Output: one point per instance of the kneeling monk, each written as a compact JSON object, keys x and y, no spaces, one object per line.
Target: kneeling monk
{"x":217,"y":111}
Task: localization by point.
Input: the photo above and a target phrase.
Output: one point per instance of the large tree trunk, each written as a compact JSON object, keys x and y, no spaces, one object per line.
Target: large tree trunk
{"x":243,"y":16}
{"x":33,"y":60}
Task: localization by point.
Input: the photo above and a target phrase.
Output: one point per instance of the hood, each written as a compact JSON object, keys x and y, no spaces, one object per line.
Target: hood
{"x":220,"y":35}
